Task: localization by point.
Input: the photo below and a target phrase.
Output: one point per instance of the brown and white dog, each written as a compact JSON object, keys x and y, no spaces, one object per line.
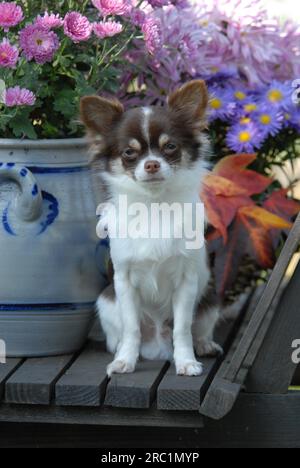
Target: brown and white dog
{"x":161,"y":303}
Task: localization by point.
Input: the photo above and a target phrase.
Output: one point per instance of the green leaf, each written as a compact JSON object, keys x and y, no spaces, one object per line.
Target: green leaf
{"x":66,"y":103}
{"x":21,"y":125}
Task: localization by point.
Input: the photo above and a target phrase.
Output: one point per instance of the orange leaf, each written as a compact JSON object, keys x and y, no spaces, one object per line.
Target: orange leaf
{"x":234,"y":169}
{"x":278,"y":203}
{"x":222,"y":186}
{"x":265,"y":218}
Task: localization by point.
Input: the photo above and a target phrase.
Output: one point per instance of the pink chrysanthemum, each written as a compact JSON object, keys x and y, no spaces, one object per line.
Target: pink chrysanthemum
{"x":138,"y":17}
{"x":10,"y":15}
{"x":152,"y":35}
{"x":49,"y":21}
{"x":19,"y":97}
{"x":77,"y":27}
{"x":107,"y":29}
{"x":113,"y":7}
{"x":8,"y":54}
{"x":38,"y":43}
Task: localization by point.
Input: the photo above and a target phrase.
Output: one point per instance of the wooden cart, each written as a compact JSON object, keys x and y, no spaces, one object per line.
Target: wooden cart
{"x":242,"y":400}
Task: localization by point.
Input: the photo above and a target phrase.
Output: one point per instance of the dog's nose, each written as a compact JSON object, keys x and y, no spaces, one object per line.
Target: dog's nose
{"x":152,"y":167}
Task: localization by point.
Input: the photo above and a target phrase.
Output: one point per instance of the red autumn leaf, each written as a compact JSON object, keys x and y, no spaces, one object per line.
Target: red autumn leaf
{"x":234,"y":168}
{"x":222,"y":199}
{"x":249,"y":234}
{"x":278,"y":203}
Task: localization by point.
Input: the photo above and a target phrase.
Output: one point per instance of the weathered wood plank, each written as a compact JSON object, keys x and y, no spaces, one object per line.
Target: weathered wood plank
{"x":273,"y":369}
{"x":33,"y":382}
{"x":137,"y":390}
{"x":179,"y":393}
{"x":6,"y":370}
{"x":84,"y":383}
{"x":257,"y":421}
{"x":265,"y":302}
{"x":222,"y":394}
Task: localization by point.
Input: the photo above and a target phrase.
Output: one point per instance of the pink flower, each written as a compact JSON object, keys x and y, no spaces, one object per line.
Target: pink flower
{"x":113,"y":7}
{"x":38,"y":43}
{"x":77,"y":27}
{"x":19,"y":97}
{"x":152,"y":35}
{"x":49,"y":21}
{"x":10,"y":15}
{"x":138,"y":17}
{"x":8,"y":54}
{"x":107,"y":29}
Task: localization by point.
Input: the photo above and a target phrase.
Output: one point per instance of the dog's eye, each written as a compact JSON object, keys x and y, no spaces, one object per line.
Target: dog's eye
{"x":130,"y":153}
{"x":170,"y":147}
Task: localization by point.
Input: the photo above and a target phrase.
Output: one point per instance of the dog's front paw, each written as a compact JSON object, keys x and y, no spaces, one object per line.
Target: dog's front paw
{"x":119,"y":366}
{"x":208,"y":348}
{"x":189,"y":368}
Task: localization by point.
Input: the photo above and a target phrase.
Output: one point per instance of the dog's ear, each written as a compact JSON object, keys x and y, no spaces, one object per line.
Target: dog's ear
{"x":190,"y":102}
{"x":99,"y":114}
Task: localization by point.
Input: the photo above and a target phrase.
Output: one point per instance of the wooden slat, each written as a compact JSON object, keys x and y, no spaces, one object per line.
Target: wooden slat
{"x":33,"y":382}
{"x":6,"y":371}
{"x":184,"y":393}
{"x":222,"y":394}
{"x":137,"y":390}
{"x":265,"y":302}
{"x":84,"y":383}
{"x":273,"y":369}
{"x":181,"y":393}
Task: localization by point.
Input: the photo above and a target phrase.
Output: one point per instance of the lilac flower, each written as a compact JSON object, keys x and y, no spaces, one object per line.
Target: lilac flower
{"x":51,"y":21}
{"x":10,"y":15}
{"x":113,"y":7}
{"x":19,"y":97}
{"x":38,"y":43}
{"x":244,"y":138}
{"x":107,"y":29}
{"x":77,"y":27}
{"x":9,"y":54}
{"x":269,"y":121}
{"x":152,"y":35}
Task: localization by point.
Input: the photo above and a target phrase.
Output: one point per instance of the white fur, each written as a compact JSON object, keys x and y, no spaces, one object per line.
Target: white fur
{"x":157,"y":281}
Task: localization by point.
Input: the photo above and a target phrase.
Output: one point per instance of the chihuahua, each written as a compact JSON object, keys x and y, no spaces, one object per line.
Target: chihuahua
{"x":161,"y":303}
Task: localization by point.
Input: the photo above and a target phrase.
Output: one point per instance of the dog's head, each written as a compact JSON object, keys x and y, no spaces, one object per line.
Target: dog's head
{"x":148,"y":145}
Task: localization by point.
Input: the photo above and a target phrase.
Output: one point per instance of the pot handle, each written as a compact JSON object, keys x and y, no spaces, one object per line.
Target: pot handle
{"x":28,"y":205}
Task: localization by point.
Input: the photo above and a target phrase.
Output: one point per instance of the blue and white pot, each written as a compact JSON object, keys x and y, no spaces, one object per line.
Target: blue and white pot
{"x":52,"y":266}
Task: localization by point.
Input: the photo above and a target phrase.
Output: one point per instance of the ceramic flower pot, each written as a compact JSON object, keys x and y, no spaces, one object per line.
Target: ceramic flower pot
{"x":50,"y":258}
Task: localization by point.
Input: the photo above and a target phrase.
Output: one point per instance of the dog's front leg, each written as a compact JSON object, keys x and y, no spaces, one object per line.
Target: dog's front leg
{"x":128,"y":350}
{"x":184,"y":302}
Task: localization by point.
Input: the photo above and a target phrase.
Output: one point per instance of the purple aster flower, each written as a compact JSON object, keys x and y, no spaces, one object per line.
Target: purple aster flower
{"x":152,"y":35}
{"x":244,"y":138}
{"x":278,"y":95}
{"x":9,"y":54}
{"x":113,"y":7}
{"x":10,"y":15}
{"x":51,"y":21}
{"x":158,"y":3}
{"x":221,"y":104}
{"x":19,"y":97}
{"x":38,"y":43}
{"x":269,"y":120}
{"x":107,"y":29}
{"x":77,"y":27}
